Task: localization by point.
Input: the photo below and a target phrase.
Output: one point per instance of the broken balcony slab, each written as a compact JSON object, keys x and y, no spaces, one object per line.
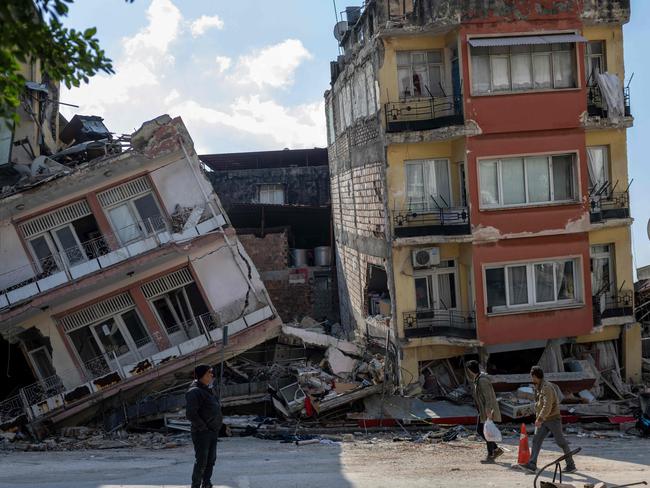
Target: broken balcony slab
{"x":408,"y":410}
{"x":573,"y":382}
{"x":316,"y":339}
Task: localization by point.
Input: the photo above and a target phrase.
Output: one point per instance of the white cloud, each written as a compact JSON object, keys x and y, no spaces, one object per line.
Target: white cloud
{"x":172,"y":97}
{"x":223,"y":63}
{"x":205,"y":22}
{"x":273,"y":65}
{"x":295,"y":127}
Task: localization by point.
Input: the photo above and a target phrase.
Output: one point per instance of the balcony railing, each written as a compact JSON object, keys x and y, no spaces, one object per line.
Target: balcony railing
{"x":439,"y":323}
{"x":415,"y":221}
{"x":61,"y":267}
{"x":596,"y":106}
{"x":611,"y":306}
{"x":605,"y":205}
{"x":424,"y":113}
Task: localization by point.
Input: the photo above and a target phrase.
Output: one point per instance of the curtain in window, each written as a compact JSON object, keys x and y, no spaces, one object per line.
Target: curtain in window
{"x":422,"y":294}
{"x":441,"y":194}
{"x":500,"y":68}
{"x":597,"y":167}
{"x":481,"y":74}
{"x":542,"y":70}
{"x":544,"y":285}
{"x":522,"y":76}
{"x":564,"y":280}
{"x":538,"y":179}
{"x":445,"y":292}
{"x":512,"y":176}
{"x":435,"y":81}
{"x":563,"y":70}
{"x":489,"y":182}
{"x":600,"y":279}
{"x":517,"y":285}
{"x":415,"y":186}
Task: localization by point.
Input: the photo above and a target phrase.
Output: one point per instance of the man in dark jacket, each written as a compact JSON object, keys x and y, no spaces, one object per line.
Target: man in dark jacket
{"x":204,"y":412}
{"x":486,"y":404}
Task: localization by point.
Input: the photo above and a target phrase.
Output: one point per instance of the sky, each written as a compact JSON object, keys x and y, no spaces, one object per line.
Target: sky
{"x":250,"y":75}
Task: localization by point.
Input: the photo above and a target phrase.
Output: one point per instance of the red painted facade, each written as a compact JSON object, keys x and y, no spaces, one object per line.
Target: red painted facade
{"x":517,"y":124}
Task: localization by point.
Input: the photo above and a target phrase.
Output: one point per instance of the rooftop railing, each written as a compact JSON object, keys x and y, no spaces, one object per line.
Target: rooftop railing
{"x":424,"y":113}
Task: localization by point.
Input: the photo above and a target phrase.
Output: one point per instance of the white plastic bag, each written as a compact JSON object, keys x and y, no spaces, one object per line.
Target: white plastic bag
{"x":491,"y":431}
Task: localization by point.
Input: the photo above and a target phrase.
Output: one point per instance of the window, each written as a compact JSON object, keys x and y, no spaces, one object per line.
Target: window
{"x":437,"y":288}
{"x":420,"y":74}
{"x":596,"y":61}
{"x":603,"y":279}
{"x":526,"y":285}
{"x":427,"y":184}
{"x":271,"y":194}
{"x":132,"y":219}
{"x":527,"y":180}
{"x":179,"y":311}
{"x":598,"y":166}
{"x":525,"y":67}
{"x":42,"y":362}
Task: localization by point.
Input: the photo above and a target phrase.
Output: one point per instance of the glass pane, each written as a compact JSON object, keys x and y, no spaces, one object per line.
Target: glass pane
{"x":435,"y":80}
{"x":136,"y":329}
{"x":596,"y":47}
{"x":111,"y":337}
{"x":496,"y":287}
{"x":434,"y":57}
{"x":542,"y":70}
{"x":512,"y":177}
{"x":124,"y":224}
{"x":446,"y":291}
{"x":404,"y":82}
{"x":421,"y":81}
{"x":563,"y":177}
{"x":517,"y":285}
{"x":563,"y":70}
{"x":85,"y":344}
{"x":415,"y":193}
{"x":443,"y":198}
{"x":500,"y":73}
{"x":403,"y":58}
{"x":421,"y":293}
{"x":70,"y":247}
{"x":42,"y":363}
{"x":600,"y":275}
{"x":44,"y":255}
{"x":544,"y":286}
{"x":565,"y":282}
{"x":418,"y":57}
{"x":597,"y":166}
{"x":480,"y":74}
{"x":539,"y":188}
{"x":166,"y":315}
{"x":489,"y":182}
{"x":149,"y":213}
{"x":522,"y":75}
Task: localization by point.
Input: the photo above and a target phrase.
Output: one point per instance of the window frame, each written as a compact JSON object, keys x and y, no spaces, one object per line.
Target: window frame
{"x":411,"y":52}
{"x":532,"y":54}
{"x":606,"y":149}
{"x":589,"y":56}
{"x":610,"y":255}
{"x":133,"y":210}
{"x":577,"y":190}
{"x":278,"y":187}
{"x":431,"y":276}
{"x":426,"y":205}
{"x":532,"y":304}
{"x":53,"y":242}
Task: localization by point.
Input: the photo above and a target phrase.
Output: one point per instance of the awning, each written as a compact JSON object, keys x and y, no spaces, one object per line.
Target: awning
{"x":525,"y":40}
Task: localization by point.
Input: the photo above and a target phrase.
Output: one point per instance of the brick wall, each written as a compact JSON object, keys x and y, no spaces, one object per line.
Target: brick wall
{"x":269,"y":253}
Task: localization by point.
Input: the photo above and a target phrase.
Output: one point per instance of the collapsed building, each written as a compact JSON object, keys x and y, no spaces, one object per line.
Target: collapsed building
{"x":119,"y":270}
{"x":479,"y":182}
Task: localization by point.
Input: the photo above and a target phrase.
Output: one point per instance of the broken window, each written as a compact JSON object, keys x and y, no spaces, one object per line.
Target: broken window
{"x":525,"y":285}
{"x":436,"y":288}
{"x":427,"y":184}
{"x":527,"y":180}
{"x":420,"y":74}
{"x":271,"y":194}
{"x":595,"y":61}
{"x":598,"y":167}
{"x":523,"y":67}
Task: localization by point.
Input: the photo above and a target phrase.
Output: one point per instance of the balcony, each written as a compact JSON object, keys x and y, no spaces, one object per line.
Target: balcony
{"x":28,"y":281}
{"x":613,"y":306}
{"x":596,"y":106}
{"x":444,"y":221}
{"x":605,"y":205}
{"x":424,"y":113}
{"x":439,"y":323}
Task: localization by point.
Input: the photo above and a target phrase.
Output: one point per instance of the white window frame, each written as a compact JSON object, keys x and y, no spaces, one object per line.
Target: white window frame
{"x":428,"y":205}
{"x":271,"y":189}
{"x":411,"y":64}
{"x":56,"y":248}
{"x":589,"y":57}
{"x":576,"y":73}
{"x":431,"y":276}
{"x":610,"y":256}
{"x":528,"y":203}
{"x":35,"y":364}
{"x":130,"y":204}
{"x":605,"y":149}
{"x":532,"y":303}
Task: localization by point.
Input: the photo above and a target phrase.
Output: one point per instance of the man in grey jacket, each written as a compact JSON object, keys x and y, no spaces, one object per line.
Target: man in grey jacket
{"x":486,"y":403}
{"x":204,"y":412}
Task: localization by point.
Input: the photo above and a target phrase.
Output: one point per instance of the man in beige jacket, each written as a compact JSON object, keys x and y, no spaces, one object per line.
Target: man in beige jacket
{"x":547,"y":419}
{"x":486,"y":404}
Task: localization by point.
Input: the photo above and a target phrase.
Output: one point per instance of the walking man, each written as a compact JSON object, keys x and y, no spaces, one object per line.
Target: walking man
{"x":204,"y":412}
{"x":547,"y":419}
{"x":487,"y":406}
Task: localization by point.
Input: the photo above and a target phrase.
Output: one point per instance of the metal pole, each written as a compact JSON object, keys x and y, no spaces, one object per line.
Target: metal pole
{"x":224,"y":343}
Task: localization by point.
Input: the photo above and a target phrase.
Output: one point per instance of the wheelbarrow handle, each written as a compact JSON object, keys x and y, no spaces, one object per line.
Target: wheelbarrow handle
{"x":556,"y":462}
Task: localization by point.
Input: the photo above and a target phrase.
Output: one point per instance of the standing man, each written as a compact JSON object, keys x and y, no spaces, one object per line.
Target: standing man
{"x":487,"y":406}
{"x":547,"y":419}
{"x":204,"y":412}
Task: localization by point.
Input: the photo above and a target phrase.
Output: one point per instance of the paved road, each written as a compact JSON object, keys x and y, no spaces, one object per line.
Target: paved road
{"x":252,"y":463}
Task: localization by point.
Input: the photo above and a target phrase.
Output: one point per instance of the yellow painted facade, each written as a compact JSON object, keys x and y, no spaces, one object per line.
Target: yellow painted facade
{"x":616,"y":142}
{"x":613,"y":37}
{"x":621,"y":238}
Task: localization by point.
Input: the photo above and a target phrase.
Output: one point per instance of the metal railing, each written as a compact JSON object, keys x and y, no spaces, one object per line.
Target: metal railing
{"x":439,"y":323}
{"x":605,"y":204}
{"x":424,"y":113}
{"x":10,"y":409}
{"x":597,"y":107}
{"x":417,"y":220}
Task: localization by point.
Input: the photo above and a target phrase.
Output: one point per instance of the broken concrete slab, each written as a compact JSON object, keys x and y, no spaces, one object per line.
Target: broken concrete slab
{"x":415,"y":409}
{"x":310,"y":338}
{"x":340,"y":364}
{"x":572,"y":382}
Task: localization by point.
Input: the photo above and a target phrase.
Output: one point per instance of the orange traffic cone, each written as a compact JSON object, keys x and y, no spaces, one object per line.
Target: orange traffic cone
{"x":524,"y":451}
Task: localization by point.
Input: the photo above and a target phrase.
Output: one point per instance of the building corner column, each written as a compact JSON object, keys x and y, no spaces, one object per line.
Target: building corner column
{"x":631,"y":342}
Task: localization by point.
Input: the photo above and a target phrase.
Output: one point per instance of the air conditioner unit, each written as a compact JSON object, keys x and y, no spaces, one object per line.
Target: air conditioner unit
{"x":425,"y":258}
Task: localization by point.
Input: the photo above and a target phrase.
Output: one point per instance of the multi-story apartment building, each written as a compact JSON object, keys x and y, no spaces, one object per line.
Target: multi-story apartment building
{"x":478,"y":158}
{"x":119,"y":270}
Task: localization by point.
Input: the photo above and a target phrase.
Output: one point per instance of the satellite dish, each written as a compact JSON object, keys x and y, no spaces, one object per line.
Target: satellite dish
{"x":340,"y":29}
